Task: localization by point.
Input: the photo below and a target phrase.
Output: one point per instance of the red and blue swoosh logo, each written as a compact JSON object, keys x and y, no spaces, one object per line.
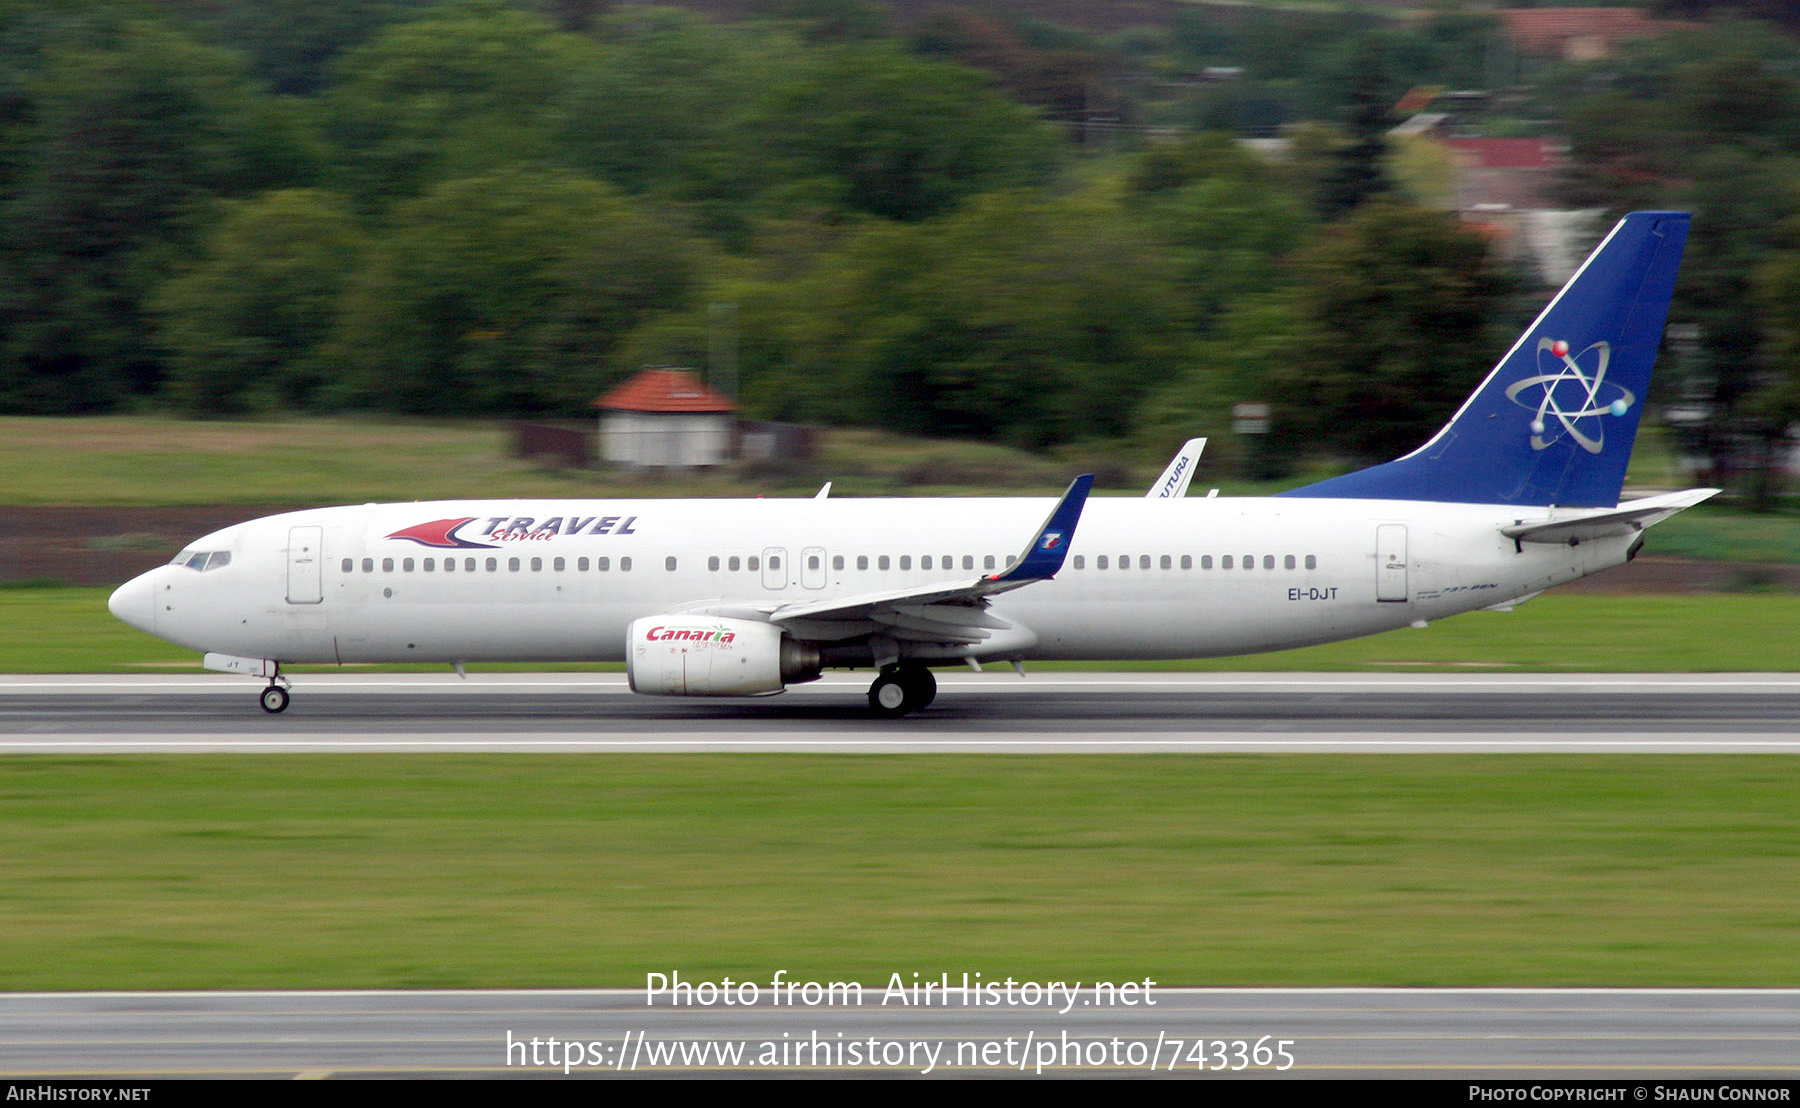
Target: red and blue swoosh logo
{"x":441,"y":533}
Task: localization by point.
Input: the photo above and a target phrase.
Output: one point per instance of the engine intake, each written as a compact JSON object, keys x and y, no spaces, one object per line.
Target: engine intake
{"x":696,"y":655}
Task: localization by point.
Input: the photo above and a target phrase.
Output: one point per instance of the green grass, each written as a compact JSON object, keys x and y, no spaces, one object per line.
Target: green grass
{"x":153,"y":461}
{"x":411,"y":871}
{"x":1725,"y":534}
{"x":1554,"y":633}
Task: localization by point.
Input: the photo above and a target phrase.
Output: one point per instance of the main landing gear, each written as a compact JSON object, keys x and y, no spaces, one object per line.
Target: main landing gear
{"x":902,"y":689}
{"x":275,"y":697}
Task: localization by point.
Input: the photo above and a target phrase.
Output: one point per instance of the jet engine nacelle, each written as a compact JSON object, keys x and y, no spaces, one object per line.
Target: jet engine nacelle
{"x":696,"y":655}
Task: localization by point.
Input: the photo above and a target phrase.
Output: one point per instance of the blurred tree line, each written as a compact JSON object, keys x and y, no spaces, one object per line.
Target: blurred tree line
{"x":506,"y":206}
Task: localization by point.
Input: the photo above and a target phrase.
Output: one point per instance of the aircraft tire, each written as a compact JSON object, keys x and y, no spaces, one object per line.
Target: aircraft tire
{"x":920,"y":685}
{"x":889,"y":696}
{"x":274,"y":699}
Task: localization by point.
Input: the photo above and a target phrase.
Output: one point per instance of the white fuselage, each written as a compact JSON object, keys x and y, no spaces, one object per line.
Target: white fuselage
{"x":1185,"y":578}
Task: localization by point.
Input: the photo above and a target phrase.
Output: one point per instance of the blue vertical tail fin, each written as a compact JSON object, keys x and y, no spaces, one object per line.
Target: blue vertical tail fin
{"x":1555,"y":421}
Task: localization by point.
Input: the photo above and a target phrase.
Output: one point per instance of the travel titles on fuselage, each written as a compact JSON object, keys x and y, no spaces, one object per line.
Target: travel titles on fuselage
{"x":528,"y":529}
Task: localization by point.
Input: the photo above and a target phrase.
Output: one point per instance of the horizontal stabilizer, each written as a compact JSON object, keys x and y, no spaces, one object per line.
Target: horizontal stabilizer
{"x":1626,"y":519}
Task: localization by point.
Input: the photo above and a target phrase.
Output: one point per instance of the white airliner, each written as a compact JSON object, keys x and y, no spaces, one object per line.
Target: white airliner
{"x":1519,"y":492}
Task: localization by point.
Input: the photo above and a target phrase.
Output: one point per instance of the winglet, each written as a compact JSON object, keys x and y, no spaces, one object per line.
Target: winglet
{"x":1173,"y":484}
{"x":1044,"y":556}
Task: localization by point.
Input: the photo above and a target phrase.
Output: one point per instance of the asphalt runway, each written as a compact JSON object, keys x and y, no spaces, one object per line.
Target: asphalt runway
{"x":1628,"y":1036}
{"x":975,"y":713}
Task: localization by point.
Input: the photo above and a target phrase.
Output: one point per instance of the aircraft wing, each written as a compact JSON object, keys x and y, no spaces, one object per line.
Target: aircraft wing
{"x":945,"y":612}
{"x":1627,"y":518}
{"x":1173,"y":484}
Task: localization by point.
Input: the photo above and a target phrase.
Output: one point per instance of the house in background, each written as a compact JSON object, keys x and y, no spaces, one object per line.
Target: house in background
{"x":666,"y":418}
{"x":1580,"y":34}
{"x":1506,"y":186}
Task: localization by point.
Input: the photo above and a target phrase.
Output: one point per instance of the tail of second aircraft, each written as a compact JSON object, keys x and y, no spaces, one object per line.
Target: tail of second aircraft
{"x":1555,"y":421}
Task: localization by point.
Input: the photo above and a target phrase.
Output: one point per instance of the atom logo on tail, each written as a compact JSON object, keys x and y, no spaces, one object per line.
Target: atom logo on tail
{"x":1571,"y":395}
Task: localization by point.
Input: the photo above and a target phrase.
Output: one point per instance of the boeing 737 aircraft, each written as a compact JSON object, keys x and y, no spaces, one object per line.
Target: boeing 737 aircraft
{"x":1518,"y":492}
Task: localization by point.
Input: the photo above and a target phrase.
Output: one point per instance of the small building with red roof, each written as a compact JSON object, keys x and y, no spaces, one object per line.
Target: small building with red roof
{"x":1581,"y":34}
{"x":666,"y":418}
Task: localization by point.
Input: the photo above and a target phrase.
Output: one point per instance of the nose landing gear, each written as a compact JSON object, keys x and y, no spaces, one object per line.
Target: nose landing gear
{"x":902,"y":689}
{"x":275,"y":697}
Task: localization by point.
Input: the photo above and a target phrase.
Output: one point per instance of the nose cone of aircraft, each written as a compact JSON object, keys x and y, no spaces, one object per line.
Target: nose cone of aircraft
{"x":134,"y":602}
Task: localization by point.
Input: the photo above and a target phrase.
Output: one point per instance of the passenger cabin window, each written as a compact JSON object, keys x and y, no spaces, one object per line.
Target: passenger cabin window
{"x":837,"y":561}
{"x":406,"y":566}
{"x":1187,"y":561}
{"x":924,"y":562}
{"x":349,"y":564}
{"x":733,"y":564}
{"x":603,"y":564}
{"x":1206,"y":561}
{"x":430,"y":564}
{"x":882,"y":563}
{"x":469,"y":565}
{"x":581,"y":565}
{"x":906,"y":561}
{"x":624,"y":565}
{"x":712,"y":563}
{"x":1225,"y":562}
{"x":1288,"y":562}
{"x":368,"y":565}
{"x":862,"y":561}
{"x":669,"y":563}
{"x":988,"y":562}
{"x":1167,"y":562}
{"x":1100,"y":562}
{"x":1080,"y":562}
{"x":537,"y":565}
{"x":493,"y":565}
{"x":1268,"y":561}
{"x":1312,"y":562}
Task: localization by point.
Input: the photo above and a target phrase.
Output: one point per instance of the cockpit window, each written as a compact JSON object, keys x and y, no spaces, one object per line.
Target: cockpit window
{"x":202,"y":560}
